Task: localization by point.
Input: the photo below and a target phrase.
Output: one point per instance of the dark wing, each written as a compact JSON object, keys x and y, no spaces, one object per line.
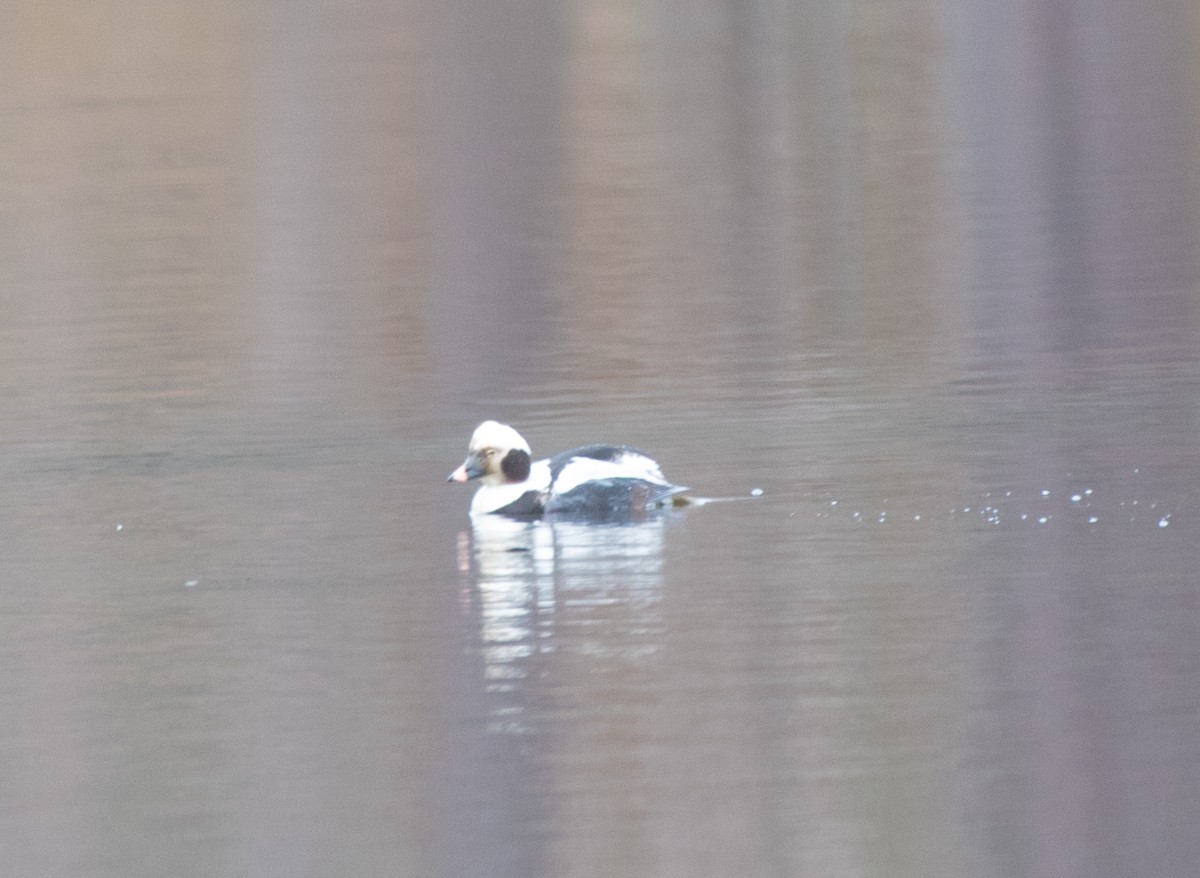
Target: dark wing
{"x":612,"y":499}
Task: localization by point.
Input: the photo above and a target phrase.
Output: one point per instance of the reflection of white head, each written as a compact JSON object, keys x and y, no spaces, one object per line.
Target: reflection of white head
{"x":493,"y":434}
{"x":536,"y":578}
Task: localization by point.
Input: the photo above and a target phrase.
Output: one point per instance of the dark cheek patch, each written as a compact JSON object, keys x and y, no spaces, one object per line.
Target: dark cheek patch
{"x":515,"y":465}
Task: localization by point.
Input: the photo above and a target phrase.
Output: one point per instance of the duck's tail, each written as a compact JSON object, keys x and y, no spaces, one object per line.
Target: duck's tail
{"x":681,"y":500}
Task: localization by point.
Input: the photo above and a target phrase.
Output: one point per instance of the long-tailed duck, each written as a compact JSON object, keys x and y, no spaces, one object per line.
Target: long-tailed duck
{"x":594,"y":481}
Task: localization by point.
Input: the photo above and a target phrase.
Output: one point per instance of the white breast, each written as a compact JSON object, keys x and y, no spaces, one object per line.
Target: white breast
{"x":489,"y":498}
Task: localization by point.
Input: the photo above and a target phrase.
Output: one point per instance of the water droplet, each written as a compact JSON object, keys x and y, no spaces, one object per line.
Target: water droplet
{"x":1045,"y":492}
{"x":120,"y":527}
{"x":1165,"y":521}
{"x":1092,"y":519}
{"x":756,"y":492}
{"x":1043,"y":519}
{"x":916,"y":518}
{"x":1075,"y":498}
{"x":191,"y":583}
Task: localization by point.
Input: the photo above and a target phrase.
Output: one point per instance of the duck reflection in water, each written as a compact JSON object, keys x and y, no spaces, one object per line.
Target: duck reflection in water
{"x":542,"y":591}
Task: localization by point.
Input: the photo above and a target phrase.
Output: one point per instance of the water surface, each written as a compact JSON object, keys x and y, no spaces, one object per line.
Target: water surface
{"x":928,"y":280}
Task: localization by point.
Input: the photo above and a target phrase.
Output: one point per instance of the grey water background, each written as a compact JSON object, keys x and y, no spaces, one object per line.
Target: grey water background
{"x":925,"y":274}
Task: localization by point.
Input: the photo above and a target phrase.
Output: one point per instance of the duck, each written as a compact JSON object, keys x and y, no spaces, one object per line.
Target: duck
{"x":607,"y":482}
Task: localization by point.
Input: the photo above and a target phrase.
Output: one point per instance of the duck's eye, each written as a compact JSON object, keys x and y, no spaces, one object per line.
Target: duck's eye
{"x":489,"y":452}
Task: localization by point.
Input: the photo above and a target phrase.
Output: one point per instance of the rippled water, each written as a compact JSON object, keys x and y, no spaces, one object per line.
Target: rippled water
{"x":926,"y":283}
